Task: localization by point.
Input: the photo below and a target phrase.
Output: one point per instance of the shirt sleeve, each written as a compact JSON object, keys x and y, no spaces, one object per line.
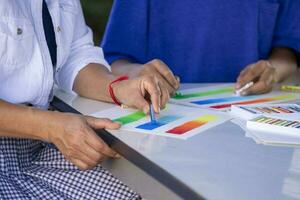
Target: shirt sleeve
{"x":126,"y":32}
{"x":287,"y":32}
{"x":82,"y":52}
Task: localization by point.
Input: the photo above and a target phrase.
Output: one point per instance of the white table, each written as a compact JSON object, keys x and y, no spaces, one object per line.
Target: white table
{"x":218,"y":164}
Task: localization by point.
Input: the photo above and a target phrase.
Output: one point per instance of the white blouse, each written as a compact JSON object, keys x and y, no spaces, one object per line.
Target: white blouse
{"x":26,"y":71}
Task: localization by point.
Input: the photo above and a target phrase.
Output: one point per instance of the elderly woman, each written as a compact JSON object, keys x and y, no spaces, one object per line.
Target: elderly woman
{"x":47,"y":41}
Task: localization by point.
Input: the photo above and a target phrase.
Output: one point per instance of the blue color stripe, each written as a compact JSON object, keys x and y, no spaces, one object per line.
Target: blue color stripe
{"x":159,"y":122}
{"x":223,"y":100}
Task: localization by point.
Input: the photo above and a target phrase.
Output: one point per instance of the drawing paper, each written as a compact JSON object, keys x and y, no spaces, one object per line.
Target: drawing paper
{"x":273,"y":139}
{"x":222,"y":97}
{"x":175,"y":121}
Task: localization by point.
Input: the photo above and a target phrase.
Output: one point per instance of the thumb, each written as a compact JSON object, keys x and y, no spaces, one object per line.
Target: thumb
{"x":98,"y":123}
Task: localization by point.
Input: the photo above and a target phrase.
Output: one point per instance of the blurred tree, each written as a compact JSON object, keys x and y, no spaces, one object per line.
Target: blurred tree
{"x":96,"y":14}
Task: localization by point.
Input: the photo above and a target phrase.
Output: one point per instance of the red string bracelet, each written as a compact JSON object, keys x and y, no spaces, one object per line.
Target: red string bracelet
{"x":111,"y":91}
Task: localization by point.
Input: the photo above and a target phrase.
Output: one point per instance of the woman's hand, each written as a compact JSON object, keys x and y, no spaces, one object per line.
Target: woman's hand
{"x":74,"y":136}
{"x":138,"y":91}
{"x":262,"y":73}
{"x":265,"y":73}
{"x":155,"y":68}
{"x":162,"y":72}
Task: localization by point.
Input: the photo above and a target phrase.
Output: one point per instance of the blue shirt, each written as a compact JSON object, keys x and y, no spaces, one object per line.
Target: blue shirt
{"x":201,"y":41}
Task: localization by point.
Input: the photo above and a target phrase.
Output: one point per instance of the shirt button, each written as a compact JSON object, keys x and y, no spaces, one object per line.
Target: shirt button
{"x":19,"y":31}
{"x":58,"y":29}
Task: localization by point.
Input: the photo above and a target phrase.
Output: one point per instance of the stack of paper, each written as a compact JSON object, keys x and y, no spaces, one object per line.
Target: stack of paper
{"x":274,"y":130}
{"x":272,"y":124}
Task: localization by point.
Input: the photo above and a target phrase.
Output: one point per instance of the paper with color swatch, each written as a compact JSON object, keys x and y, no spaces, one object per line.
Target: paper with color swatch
{"x":291,"y":111}
{"x":222,"y":97}
{"x":275,"y":125}
{"x":175,"y":121}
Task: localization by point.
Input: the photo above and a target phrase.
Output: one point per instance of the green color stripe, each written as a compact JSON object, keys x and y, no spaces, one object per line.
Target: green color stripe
{"x":284,"y":97}
{"x":130,"y":118}
{"x":179,"y":96}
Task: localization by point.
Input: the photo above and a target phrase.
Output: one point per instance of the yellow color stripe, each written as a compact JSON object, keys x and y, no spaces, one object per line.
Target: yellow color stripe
{"x":206,"y":118}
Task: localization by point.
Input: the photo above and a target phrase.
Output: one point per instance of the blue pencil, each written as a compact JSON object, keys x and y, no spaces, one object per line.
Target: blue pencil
{"x":152,"y":114}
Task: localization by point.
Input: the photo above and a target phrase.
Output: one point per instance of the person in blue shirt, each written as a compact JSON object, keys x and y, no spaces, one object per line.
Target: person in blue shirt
{"x":205,"y":41}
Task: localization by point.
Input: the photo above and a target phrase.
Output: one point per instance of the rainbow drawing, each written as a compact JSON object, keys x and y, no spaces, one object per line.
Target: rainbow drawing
{"x":160,"y":122}
{"x":180,"y":96}
{"x":245,"y":100}
{"x":130,"y":118}
{"x":223,"y":100}
{"x":188,"y":126}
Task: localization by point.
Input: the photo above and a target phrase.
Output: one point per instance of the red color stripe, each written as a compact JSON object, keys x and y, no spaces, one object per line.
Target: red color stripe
{"x":221,"y":106}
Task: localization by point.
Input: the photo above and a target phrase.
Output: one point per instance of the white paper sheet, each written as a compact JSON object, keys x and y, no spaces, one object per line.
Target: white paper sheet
{"x":273,"y":139}
{"x":221,"y":97}
{"x":175,"y":121}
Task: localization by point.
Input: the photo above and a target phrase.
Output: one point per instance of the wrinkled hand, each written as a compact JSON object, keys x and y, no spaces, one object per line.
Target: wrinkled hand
{"x":137,"y":93}
{"x":262,"y":73}
{"x":162,"y":72}
{"x":74,"y":136}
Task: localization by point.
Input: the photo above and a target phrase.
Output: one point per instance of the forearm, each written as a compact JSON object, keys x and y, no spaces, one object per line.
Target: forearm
{"x":284,"y":60}
{"x":125,"y":67}
{"x":92,"y":82}
{"x":24,"y":122}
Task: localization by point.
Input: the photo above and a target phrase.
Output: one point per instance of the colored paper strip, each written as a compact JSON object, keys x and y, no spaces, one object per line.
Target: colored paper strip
{"x":223,"y":100}
{"x":180,"y":96}
{"x":188,"y":126}
{"x":130,"y":118}
{"x":159,"y":122}
{"x":256,"y":101}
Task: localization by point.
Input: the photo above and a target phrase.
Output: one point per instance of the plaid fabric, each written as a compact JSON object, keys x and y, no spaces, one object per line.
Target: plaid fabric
{"x":29,"y":169}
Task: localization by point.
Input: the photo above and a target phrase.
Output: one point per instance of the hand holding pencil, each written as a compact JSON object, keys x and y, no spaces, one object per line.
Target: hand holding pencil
{"x":142,"y":91}
{"x":262,"y":74}
{"x":163,"y":73}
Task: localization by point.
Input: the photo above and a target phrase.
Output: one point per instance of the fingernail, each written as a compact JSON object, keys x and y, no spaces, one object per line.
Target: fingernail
{"x":244,"y":93}
{"x":119,"y":123}
{"x":118,"y":156}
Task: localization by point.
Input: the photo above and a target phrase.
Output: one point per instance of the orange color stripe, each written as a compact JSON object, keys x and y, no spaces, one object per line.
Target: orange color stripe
{"x":188,"y":126}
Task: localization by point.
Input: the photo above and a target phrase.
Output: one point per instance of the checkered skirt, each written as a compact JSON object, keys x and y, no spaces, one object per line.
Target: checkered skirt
{"x":29,"y":169}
